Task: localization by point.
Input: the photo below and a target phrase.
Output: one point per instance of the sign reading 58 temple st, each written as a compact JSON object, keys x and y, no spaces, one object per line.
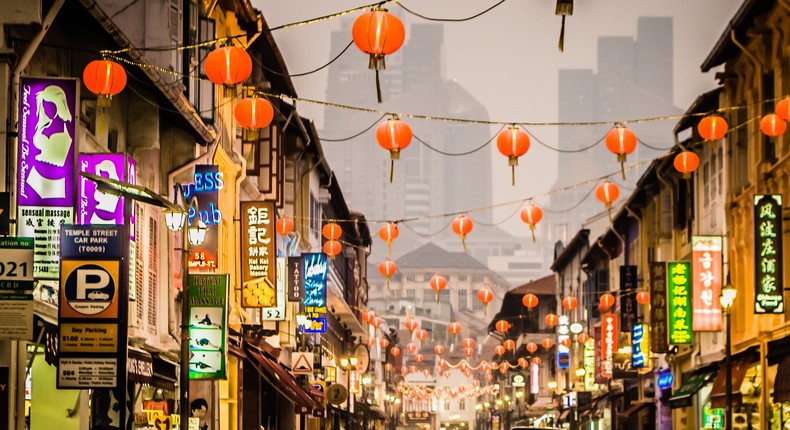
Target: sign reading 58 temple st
{"x":768,"y":282}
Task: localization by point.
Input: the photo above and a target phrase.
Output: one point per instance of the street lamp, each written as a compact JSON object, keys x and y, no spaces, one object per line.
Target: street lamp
{"x":175,"y":218}
{"x":348,"y":364}
{"x":727,"y":299}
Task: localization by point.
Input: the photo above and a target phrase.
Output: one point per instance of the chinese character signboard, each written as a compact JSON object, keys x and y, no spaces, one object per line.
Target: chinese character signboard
{"x":598,"y":353}
{"x":658,"y":307}
{"x":589,"y":366}
{"x":316,"y":269}
{"x":47,"y":141}
{"x":628,"y":305}
{"x":207,"y":311}
{"x":258,"y":274}
{"x":610,"y":334}
{"x":679,"y":298}
{"x":208,"y":181}
{"x":768,"y":282}
{"x":640,"y":349}
{"x":706,"y":267}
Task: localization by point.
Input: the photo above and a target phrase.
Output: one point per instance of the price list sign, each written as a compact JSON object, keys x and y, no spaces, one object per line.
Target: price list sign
{"x":768,"y":282}
{"x":679,"y":297}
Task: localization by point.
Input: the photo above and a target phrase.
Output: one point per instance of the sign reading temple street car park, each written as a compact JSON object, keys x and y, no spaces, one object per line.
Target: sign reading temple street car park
{"x":768,"y":282}
{"x":679,"y":292}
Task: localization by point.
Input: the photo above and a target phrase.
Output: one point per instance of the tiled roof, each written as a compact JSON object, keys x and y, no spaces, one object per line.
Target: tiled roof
{"x":431,"y":256}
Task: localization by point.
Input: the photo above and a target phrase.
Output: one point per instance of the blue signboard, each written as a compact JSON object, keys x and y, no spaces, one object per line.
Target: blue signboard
{"x":91,"y":241}
{"x":665,"y":379}
{"x":638,"y":353}
{"x":316,"y":268}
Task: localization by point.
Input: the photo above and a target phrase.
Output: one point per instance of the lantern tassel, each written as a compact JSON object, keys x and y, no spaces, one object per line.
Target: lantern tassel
{"x":437,"y":297}
{"x":622,"y":169}
{"x":532,"y":228}
{"x":392,"y":170}
{"x":388,"y":283}
{"x":378,"y":86}
{"x":561,"y":44}
{"x":513,"y":174}
{"x":610,"y":214}
{"x":463,"y":242}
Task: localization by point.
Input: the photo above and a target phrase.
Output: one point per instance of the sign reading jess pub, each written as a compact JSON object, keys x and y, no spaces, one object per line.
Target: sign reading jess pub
{"x":679,"y":289}
{"x":768,"y":282}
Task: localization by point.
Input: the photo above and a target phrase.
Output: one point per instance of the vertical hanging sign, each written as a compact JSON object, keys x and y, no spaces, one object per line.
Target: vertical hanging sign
{"x":706,"y":266}
{"x":315,"y":269}
{"x":208,"y":181}
{"x":628,"y":303}
{"x":207,"y":313}
{"x":610,"y":333}
{"x":768,"y":282}
{"x":295,"y":279}
{"x":258,"y":274}
{"x":640,"y":347}
{"x":563,"y":352}
{"x":47,"y":140}
{"x":679,"y":297}
{"x":658,"y":307}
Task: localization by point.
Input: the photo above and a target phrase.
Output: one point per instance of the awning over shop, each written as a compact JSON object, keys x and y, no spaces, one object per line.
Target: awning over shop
{"x":141,"y":366}
{"x":283,"y":381}
{"x":635,"y":408}
{"x":782,"y":382}
{"x":682,"y":397}
{"x":740,"y":364}
{"x":165,"y":373}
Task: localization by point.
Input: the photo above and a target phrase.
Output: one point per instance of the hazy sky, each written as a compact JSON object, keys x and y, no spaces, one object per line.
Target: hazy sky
{"x":508,"y":58}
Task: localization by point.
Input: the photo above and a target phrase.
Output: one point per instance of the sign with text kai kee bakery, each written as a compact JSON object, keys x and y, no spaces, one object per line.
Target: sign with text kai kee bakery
{"x":768,"y":282}
{"x":706,"y":267}
{"x":258,"y":273}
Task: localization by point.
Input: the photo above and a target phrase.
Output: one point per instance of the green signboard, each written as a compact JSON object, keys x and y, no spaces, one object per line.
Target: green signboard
{"x":768,"y":282}
{"x":207,"y":326}
{"x":713,"y":418}
{"x":679,"y":301}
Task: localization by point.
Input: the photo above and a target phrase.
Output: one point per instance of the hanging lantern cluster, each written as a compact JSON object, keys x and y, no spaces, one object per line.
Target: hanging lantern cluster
{"x":513,"y":143}
{"x":485,"y":295}
{"x":388,"y":233}
{"x":105,"y":78}
{"x":378,"y":33}
{"x":686,"y":163}
{"x":284,"y":225}
{"x":393,"y":135}
{"x":463,"y":225}
{"x":438,"y":283}
{"x":605,"y":303}
{"x":621,"y":141}
{"x":532,"y":215}
{"x":387,"y":268}
{"x":332,"y":233}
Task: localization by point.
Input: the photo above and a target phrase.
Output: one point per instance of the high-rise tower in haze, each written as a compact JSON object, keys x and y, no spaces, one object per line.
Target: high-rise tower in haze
{"x":633,"y":80}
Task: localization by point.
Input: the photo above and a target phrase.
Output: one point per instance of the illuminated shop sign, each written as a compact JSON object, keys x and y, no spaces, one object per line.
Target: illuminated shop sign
{"x":563,"y":352}
{"x":46,"y":190}
{"x":316,"y":269}
{"x":679,"y":298}
{"x":639,"y":345}
{"x":258,"y":274}
{"x":208,"y":180}
{"x":658,"y":307}
{"x":665,"y":379}
{"x":628,"y":303}
{"x":769,"y":290}
{"x":207,"y":328}
{"x":706,"y":261}
{"x":608,"y":343}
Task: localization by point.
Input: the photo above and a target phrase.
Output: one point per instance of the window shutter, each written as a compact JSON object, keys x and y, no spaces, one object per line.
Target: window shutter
{"x":665,"y":213}
{"x":153,"y":276}
{"x":139,"y":267}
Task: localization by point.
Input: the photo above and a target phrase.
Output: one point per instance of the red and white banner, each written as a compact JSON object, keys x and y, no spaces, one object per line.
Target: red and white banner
{"x":609,"y":336}
{"x":706,"y":268}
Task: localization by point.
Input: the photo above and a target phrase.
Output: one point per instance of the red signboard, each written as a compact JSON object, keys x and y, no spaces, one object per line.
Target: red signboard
{"x":706,"y":267}
{"x":609,"y":336}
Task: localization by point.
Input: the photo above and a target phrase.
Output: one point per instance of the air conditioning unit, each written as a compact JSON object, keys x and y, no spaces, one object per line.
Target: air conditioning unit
{"x":323,"y":196}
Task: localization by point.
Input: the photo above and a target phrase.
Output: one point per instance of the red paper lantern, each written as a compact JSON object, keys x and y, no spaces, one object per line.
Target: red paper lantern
{"x":712,"y":127}
{"x":376,"y":322}
{"x":371,"y":341}
{"x":229,"y":65}
{"x":772,"y":125}
{"x":422,"y":335}
{"x":388,"y":367}
{"x":523,"y":362}
{"x":504,"y":367}
{"x":404,"y":370}
{"x":331,"y":231}
{"x":530,"y":301}
{"x":643,"y":297}
{"x":468,"y":342}
{"x":607,"y":193}
{"x":570,"y":303}
{"x":513,"y":143}
{"x":411,"y":325}
{"x":387,"y":268}
{"x":389,"y":232}
{"x":509,"y":345}
{"x":502,"y":326}
{"x":438,"y":283}
{"x":499,"y":350}
{"x":468,"y":351}
{"x":368,"y":316}
{"x":463,"y":225}
{"x":621,"y":141}
{"x":551,"y":320}
{"x":412,"y":369}
{"x":686,"y":162}
{"x":332,"y":248}
{"x":485,"y":295}
{"x":383,"y":343}
{"x":378,"y":33}
{"x":105,"y":78}
{"x":253,"y":113}
{"x":583,"y":338}
{"x":603,"y":309}
{"x":547,"y":343}
{"x":454,"y":328}
{"x":607,"y":300}
{"x":447,"y":374}
{"x":783,"y":108}
{"x":395,"y":351}
{"x":284,"y":225}
{"x":536,"y":361}
{"x":393,"y":135}
{"x":426,"y":373}
{"x":419,"y":358}
{"x":532,"y":347}
{"x":438,"y":349}
{"x":532,"y":215}
{"x":489,"y":376}
{"x":411,"y":347}
{"x":566,"y":342}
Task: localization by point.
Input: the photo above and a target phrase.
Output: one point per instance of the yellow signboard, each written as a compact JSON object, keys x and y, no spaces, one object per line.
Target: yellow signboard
{"x":88,"y":337}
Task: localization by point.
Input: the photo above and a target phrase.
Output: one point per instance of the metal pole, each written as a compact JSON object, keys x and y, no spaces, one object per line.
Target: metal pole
{"x":348,"y":399}
{"x":184,"y":378}
{"x":728,"y":378}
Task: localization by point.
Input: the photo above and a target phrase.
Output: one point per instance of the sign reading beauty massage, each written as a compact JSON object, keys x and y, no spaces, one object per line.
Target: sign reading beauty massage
{"x":47,"y":140}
